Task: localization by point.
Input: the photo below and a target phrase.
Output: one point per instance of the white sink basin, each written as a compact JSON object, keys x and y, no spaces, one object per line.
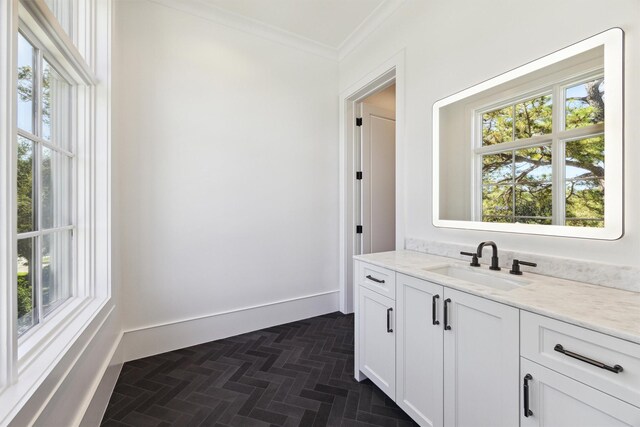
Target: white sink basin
{"x":489,"y":279}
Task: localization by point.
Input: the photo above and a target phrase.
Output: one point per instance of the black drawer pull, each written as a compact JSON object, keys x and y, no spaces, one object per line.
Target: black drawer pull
{"x":434,"y":314}
{"x":389,"y":310}
{"x":616,"y":369}
{"x":447,"y":326}
{"x":525,"y":395}
{"x":370,"y":277}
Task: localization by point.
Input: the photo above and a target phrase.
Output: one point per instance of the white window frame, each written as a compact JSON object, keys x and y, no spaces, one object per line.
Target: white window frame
{"x":36,"y":137}
{"x":26,"y":363}
{"x":556,"y":140}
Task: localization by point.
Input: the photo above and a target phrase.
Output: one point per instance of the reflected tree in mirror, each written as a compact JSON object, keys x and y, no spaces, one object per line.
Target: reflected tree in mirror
{"x":518,"y":183}
{"x":533,"y":117}
{"x":584,"y":173}
{"x":584,"y":104}
{"x":497,"y":126}
{"x":517,"y":186}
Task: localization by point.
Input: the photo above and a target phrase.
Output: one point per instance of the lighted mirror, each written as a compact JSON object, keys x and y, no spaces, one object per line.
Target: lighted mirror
{"x":536,"y":150}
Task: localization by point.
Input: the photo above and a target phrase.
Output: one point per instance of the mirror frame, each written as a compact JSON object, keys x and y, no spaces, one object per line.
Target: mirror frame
{"x":612,"y":41}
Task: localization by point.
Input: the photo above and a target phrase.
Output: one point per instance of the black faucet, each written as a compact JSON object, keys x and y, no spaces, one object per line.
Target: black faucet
{"x":474,"y":260}
{"x":515,"y":268}
{"x":494,"y":257}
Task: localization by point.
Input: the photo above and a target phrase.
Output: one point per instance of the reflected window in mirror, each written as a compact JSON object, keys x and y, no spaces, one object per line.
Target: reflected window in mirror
{"x":516,"y":149}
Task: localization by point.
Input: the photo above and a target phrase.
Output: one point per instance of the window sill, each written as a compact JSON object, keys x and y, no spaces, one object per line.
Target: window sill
{"x":42,"y":350}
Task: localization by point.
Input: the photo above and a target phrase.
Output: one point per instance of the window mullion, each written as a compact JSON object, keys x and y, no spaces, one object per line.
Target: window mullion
{"x":37,"y":77}
{"x":45,"y":143}
{"x":513,"y":183}
{"x":513,"y":123}
{"x":37,"y":184}
{"x":557,"y":158}
{"x":581,"y":132}
{"x":534,"y":141}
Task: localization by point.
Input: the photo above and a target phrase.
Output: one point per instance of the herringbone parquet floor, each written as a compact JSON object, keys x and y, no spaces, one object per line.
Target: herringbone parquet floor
{"x":298,"y":374}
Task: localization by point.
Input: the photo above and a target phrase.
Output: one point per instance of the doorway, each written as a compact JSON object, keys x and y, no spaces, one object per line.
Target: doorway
{"x":382,"y":88}
{"x":377,"y":158}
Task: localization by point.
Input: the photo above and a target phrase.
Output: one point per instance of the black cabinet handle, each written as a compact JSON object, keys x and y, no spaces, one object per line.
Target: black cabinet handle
{"x":447,"y":326}
{"x":389,"y":310}
{"x":525,"y":395}
{"x":616,"y":369}
{"x":370,"y":277}
{"x":434,"y":315}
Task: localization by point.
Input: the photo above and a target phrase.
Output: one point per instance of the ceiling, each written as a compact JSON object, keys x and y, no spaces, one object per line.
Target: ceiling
{"x":329,"y":23}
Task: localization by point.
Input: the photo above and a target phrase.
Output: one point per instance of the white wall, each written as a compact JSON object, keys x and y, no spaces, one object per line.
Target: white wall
{"x":227,"y":166}
{"x":452,"y":45}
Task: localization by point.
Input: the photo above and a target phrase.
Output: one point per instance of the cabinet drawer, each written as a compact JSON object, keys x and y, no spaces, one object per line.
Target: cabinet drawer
{"x":558,"y":401}
{"x":575,"y":352}
{"x":378,"y":279}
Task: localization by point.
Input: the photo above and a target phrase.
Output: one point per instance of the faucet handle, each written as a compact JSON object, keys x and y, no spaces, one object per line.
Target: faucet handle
{"x":474,"y":261}
{"x":515,"y":267}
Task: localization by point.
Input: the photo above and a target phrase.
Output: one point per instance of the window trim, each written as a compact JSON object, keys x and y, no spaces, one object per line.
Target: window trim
{"x":556,"y":139}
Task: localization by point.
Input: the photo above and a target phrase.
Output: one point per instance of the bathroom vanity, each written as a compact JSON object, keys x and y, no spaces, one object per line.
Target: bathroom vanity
{"x":455,"y":345}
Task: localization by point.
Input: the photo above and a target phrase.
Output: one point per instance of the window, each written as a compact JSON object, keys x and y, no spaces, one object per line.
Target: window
{"x":44,"y":185}
{"x":540,"y":157}
{"x":55,"y":281}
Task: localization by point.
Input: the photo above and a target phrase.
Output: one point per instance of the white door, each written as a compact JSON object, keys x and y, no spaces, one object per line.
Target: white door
{"x":419,"y":357}
{"x":559,"y":401}
{"x":379,"y":179}
{"x":377,"y":340}
{"x":481,"y":362}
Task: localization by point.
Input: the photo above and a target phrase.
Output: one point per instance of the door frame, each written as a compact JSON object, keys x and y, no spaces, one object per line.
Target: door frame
{"x":392,"y":70}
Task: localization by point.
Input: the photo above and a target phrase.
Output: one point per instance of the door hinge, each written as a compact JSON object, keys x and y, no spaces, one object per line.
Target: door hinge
{"x":359,"y":121}
{"x":358,"y":229}
{"x":359,"y":175}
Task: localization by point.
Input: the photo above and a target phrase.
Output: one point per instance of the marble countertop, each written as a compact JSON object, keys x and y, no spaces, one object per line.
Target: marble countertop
{"x":611,"y":311}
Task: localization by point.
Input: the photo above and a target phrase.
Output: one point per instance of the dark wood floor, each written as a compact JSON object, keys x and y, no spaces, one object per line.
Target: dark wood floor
{"x":298,"y":374}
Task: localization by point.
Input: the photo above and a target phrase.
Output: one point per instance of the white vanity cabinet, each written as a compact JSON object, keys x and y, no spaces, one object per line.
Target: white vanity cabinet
{"x":450,"y":358}
{"x":457,"y":357}
{"x":577,"y":377}
{"x":375,"y":337}
{"x":420,"y":350}
{"x":481,"y":349}
{"x":377,"y":340}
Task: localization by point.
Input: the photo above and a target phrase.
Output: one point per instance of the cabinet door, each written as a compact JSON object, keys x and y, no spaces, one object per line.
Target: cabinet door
{"x":559,"y":401}
{"x":481,"y":362}
{"x":419,"y":356}
{"x":377,"y":340}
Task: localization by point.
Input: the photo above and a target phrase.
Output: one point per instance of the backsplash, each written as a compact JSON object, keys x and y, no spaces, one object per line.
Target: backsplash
{"x":612,"y":276}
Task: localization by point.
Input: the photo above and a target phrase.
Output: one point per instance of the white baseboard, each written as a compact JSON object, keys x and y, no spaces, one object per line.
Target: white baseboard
{"x":156,"y":339}
{"x":103,"y":388}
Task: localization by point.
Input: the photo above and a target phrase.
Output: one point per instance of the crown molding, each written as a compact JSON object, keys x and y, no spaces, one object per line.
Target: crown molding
{"x":258,"y":28}
{"x":368,"y":26}
{"x":251,"y":26}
